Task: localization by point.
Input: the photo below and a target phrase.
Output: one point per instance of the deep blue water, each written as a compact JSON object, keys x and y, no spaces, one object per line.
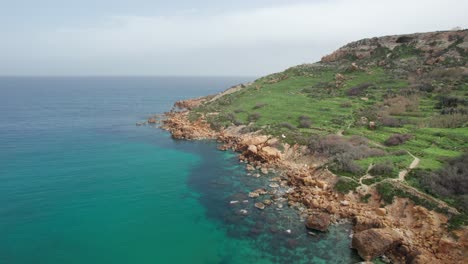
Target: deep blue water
{"x":80,"y":183}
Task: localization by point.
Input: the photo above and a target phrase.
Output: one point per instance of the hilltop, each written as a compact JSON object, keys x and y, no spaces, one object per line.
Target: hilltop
{"x":380,"y":125}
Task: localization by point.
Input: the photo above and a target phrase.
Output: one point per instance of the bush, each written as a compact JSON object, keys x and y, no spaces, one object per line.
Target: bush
{"x":399,"y":104}
{"x":253,"y":117}
{"x":399,"y":152}
{"x":259,"y":105}
{"x":425,"y":87}
{"x":450,"y":102}
{"x":238,"y":111}
{"x":287,"y":125}
{"x":451,"y":180}
{"x":346,"y":104}
{"x":345,"y":163}
{"x":397,"y":139}
{"x":249,"y":129}
{"x":382,"y":169}
{"x":358,"y":90}
{"x":345,"y":185}
{"x":449,"y":121}
{"x":390,"y":122}
{"x":238,"y":122}
{"x":305,"y":122}
{"x":332,"y":145}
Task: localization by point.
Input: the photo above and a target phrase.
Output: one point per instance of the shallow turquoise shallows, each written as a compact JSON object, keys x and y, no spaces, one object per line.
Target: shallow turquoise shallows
{"x":80,"y":183}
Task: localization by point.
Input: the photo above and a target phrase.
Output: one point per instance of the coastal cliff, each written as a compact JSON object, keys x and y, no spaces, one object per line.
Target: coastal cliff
{"x":357,"y":136}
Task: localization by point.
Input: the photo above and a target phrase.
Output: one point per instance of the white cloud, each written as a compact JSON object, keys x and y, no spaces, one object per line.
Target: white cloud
{"x":256,"y":41}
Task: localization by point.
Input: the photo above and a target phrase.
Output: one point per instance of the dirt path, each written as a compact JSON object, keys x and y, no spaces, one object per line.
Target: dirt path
{"x":414,"y":164}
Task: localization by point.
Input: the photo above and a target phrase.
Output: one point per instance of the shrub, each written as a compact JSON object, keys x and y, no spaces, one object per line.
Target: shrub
{"x":382,"y":169}
{"x":451,"y":180}
{"x":238,"y":122}
{"x":287,"y":125}
{"x":390,"y":122}
{"x":449,"y":121}
{"x":365,"y":198}
{"x":397,"y":139}
{"x":450,"y":102}
{"x":345,"y":185}
{"x":249,"y":129}
{"x":239,"y":111}
{"x":333,"y":145}
{"x":358,"y":90}
{"x":259,"y":105}
{"x":346,"y":104}
{"x":305,"y":122}
{"x":253,"y":117}
{"x":345,"y":163}
{"x":399,"y":152}
{"x":399,"y":104}
{"x":425,"y":87}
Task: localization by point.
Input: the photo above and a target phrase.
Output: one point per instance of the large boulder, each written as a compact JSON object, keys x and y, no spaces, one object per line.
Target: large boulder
{"x":362,"y":223}
{"x":318,"y":222}
{"x":375,"y":242}
{"x":270,"y":153}
{"x":254,"y":140}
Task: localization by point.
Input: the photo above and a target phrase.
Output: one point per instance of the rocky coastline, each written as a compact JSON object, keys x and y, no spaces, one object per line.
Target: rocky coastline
{"x":402,"y":231}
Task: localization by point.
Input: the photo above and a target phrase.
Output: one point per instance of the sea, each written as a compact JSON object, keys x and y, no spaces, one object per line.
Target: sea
{"x":81,"y":183}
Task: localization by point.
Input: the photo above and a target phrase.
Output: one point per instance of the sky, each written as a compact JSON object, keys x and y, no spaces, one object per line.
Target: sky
{"x":199,"y":38}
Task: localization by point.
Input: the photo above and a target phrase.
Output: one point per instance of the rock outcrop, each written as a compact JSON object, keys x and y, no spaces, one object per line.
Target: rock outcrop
{"x":375,"y":242}
{"x":319,"y":222}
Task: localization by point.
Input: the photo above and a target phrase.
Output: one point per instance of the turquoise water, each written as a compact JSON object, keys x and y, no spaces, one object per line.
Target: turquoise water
{"x":80,"y":183}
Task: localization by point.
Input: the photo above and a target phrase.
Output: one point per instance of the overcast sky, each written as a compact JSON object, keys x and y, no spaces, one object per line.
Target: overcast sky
{"x":203,"y":37}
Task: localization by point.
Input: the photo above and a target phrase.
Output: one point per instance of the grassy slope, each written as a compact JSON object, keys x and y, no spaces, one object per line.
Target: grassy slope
{"x":285,"y":101}
{"x":279,"y":100}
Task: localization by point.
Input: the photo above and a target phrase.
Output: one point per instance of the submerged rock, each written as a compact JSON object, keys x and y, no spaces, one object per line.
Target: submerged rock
{"x":375,"y":242}
{"x":243,"y":212}
{"x":260,"y":206}
{"x":253,"y":194}
{"x":318,"y":222}
{"x":274,"y":185}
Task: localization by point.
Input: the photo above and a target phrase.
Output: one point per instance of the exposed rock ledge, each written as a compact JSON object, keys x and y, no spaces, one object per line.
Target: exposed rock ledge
{"x":402,"y":231}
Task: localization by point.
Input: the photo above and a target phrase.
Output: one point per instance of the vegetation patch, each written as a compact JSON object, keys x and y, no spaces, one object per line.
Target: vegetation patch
{"x":345,"y":185}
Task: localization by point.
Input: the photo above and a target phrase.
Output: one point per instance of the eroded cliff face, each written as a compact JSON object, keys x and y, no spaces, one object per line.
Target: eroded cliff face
{"x":432,"y":48}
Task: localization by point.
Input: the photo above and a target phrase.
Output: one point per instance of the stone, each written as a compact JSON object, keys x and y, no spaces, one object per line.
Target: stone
{"x":151,"y":120}
{"x":260,"y":206}
{"x":319,"y":222}
{"x":372,"y":125}
{"x":321,"y":184}
{"x":267,"y":202}
{"x":254,"y":140}
{"x":362,"y":223}
{"x":253,"y":195}
{"x":381,"y":211}
{"x":243,"y":212}
{"x":309,"y":181}
{"x":253,"y":149}
{"x":344,"y":203}
{"x":264,"y":170}
{"x":270,"y":153}
{"x":375,"y":242}
{"x":249,"y":167}
{"x":273,"y":185}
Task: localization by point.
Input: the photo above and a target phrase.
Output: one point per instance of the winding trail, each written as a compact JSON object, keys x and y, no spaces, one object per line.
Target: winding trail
{"x":400,"y":181}
{"x":402,"y":174}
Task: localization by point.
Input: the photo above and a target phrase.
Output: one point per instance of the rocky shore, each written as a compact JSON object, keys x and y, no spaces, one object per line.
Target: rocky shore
{"x":402,"y":232}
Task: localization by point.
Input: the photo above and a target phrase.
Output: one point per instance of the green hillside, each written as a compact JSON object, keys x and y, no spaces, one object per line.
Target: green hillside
{"x":387,"y":99}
